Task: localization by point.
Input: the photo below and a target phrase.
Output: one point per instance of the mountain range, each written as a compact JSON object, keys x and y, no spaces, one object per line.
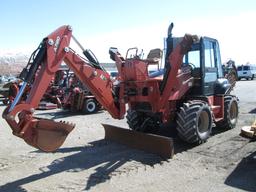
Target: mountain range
{"x":12,"y":63}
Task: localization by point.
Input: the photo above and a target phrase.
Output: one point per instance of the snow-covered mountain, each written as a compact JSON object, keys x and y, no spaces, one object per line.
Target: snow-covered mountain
{"x":12,"y":63}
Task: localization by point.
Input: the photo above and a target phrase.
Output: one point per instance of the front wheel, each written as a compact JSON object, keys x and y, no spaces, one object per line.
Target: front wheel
{"x":194,"y":122}
{"x":141,"y":122}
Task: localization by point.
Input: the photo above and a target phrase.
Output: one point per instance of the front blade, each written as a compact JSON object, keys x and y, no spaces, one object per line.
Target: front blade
{"x":160,"y":145}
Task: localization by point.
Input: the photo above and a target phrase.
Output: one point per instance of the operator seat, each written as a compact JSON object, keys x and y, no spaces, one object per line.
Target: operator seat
{"x":154,"y":58}
{"x":157,"y":73}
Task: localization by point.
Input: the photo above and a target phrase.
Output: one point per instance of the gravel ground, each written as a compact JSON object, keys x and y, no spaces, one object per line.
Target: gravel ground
{"x":227,"y":162}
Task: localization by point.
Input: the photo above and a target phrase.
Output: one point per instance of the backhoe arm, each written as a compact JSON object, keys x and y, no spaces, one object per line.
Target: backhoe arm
{"x":45,"y":134}
{"x":98,"y":81}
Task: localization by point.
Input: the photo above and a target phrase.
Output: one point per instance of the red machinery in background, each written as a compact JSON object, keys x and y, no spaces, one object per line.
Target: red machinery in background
{"x":67,"y":92}
{"x":64,"y":91}
{"x":191,"y":92}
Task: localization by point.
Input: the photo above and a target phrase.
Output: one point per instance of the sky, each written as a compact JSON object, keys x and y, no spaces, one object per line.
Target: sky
{"x":99,"y":24}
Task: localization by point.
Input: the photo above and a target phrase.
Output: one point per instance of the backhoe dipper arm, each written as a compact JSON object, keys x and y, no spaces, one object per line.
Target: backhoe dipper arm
{"x":97,"y":80}
{"x":45,"y":134}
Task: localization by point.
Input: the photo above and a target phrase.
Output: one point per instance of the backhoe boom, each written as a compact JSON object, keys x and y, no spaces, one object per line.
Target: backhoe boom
{"x":52,"y":51}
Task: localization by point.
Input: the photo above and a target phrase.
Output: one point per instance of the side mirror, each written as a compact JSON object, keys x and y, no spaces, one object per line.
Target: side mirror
{"x":113,"y":51}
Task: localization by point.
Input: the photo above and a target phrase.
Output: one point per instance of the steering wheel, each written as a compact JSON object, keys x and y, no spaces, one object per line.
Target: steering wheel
{"x":192,"y":65}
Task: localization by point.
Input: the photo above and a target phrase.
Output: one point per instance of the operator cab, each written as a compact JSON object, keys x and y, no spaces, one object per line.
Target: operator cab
{"x":206,"y":68}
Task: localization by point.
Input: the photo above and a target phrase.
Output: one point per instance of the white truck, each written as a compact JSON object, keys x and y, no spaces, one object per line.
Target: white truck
{"x":246,"y":71}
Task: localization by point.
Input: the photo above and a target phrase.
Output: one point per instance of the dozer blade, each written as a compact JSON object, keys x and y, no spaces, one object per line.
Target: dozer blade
{"x":160,"y":145}
{"x":48,"y":135}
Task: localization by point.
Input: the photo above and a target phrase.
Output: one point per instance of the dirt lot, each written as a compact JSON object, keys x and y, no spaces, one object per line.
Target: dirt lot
{"x":227,"y":162}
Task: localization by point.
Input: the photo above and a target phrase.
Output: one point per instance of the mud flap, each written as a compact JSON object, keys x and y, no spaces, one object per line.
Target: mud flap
{"x":48,"y":135}
{"x":160,"y":145}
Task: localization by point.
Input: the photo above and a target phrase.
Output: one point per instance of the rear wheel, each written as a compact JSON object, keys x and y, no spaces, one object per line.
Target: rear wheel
{"x":141,"y":122}
{"x":90,"y":106}
{"x":230,"y":113}
{"x":194,"y":122}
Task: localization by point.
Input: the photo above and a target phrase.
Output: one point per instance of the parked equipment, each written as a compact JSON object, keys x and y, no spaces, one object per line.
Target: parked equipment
{"x":230,"y":72}
{"x":67,"y":92}
{"x":191,"y":92}
{"x":10,"y":90}
{"x":7,"y":92}
{"x":78,"y":98}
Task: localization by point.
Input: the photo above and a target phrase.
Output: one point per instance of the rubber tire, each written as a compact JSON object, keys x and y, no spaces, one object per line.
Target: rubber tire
{"x":189,"y":120}
{"x":5,"y":102}
{"x":140,"y":122}
{"x":231,"y":112}
{"x":90,"y":106}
